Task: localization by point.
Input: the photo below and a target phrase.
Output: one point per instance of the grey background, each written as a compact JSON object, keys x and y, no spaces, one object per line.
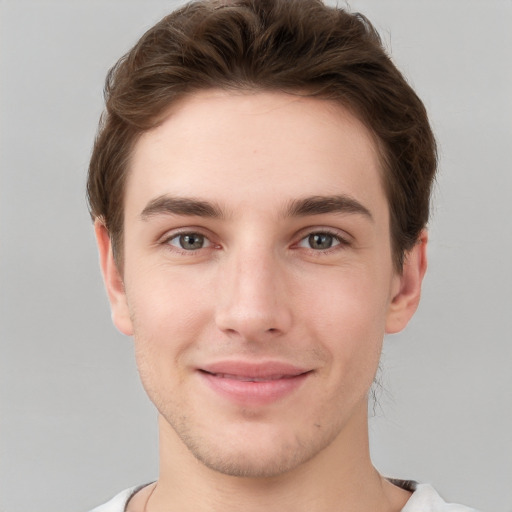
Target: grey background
{"x":75,"y":424}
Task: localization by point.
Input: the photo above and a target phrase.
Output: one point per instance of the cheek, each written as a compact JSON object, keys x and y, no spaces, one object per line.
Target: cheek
{"x":348,"y":302}
{"x":167,"y":303}
{"x":169,"y":315}
{"x":165,"y":330}
{"x":349,"y":322}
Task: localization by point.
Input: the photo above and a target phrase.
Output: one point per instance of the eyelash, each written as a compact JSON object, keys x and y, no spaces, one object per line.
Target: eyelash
{"x":341,"y":242}
{"x":190,"y":232}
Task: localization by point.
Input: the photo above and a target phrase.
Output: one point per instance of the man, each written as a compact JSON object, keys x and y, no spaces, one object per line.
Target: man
{"x":260,"y":190}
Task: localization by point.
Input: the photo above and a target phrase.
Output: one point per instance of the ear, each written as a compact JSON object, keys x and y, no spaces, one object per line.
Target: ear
{"x":113,"y":281}
{"x":407,"y":287}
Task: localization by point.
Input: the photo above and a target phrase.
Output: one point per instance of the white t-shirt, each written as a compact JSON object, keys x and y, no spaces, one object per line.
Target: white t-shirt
{"x":424,"y":499}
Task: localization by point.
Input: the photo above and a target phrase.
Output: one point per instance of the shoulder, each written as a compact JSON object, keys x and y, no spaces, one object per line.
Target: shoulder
{"x":119,"y":501}
{"x":426,"y":499}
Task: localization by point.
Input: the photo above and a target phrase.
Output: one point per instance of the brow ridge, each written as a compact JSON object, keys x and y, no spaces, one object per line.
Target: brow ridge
{"x":311,"y":205}
{"x":318,"y":205}
{"x":170,"y":205}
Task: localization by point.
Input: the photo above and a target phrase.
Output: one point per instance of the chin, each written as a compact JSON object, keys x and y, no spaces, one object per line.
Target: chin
{"x":255,"y":452}
{"x":248,"y":465}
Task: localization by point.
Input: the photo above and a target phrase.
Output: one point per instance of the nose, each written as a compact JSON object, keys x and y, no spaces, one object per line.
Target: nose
{"x":253,"y":303}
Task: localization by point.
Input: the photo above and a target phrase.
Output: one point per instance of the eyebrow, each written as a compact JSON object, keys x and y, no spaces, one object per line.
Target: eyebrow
{"x":169,"y":205}
{"x":318,"y":205}
{"x":312,"y":205}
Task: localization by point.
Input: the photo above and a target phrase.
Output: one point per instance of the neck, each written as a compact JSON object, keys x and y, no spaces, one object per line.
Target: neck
{"x":340,"y":477}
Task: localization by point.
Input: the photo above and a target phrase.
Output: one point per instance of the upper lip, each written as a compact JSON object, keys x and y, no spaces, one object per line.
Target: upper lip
{"x":265,"y":370}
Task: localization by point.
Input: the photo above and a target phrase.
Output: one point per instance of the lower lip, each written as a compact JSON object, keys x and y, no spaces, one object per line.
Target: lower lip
{"x":254,"y":393}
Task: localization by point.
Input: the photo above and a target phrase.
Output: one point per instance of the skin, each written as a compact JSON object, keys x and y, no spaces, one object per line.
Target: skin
{"x":260,"y":279}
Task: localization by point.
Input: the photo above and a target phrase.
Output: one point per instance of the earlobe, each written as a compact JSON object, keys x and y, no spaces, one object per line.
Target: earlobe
{"x":406,"y":297}
{"x":113,"y":281}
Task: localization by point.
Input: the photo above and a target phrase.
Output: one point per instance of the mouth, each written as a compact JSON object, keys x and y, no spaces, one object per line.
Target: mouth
{"x":251,"y":384}
{"x":248,"y":378}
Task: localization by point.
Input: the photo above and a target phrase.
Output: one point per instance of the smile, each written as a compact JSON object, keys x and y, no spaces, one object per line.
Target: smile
{"x":252,"y":379}
{"x":248,"y":384}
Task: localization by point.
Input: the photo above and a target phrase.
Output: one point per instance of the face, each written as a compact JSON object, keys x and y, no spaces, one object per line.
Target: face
{"x":258,"y":279}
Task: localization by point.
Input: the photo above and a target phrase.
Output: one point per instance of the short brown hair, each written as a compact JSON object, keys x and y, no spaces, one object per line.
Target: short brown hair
{"x":294,"y":46}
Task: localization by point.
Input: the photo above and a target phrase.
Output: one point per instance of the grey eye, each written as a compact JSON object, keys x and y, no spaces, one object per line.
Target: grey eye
{"x":189,"y":241}
{"x":319,"y":241}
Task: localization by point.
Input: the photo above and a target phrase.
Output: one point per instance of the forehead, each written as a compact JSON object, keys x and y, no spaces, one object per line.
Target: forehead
{"x":245,"y":149}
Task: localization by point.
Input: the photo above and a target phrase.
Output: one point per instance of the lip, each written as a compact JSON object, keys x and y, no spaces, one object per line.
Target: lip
{"x":248,"y":383}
